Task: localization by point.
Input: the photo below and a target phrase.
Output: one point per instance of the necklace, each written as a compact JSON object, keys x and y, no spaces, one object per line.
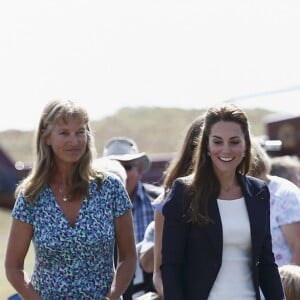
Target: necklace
{"x":65,"y":197}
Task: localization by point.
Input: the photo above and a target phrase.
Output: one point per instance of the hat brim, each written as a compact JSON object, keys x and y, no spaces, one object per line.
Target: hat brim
{"x":143,"y":157}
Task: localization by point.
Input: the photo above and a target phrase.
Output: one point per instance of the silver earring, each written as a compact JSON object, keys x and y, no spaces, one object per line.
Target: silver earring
{"x":208,"y":153}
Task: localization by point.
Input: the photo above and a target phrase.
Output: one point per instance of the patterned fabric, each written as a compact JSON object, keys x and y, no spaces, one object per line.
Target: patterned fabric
{"x":285,"y":209}
{"x":143,"y":212}
{"x":74,"y":262}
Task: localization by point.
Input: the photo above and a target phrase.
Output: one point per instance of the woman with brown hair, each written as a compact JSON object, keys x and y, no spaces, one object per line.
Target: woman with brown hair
{"x":216,"y":237}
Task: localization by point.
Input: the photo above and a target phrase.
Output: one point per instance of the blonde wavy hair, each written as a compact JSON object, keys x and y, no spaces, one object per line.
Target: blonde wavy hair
{"x":84,"y":171}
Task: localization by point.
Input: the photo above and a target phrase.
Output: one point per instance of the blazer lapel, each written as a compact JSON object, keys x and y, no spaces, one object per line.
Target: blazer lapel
{"x":214,"y":230}
{"x":250,"y":203}
{"x":254,"y":212}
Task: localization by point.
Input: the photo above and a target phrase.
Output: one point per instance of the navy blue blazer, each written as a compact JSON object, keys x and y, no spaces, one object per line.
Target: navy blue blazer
{"x":192,"y":254}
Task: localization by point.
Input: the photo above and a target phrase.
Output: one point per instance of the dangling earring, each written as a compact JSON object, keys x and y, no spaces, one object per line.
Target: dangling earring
{"x":208,"y":153}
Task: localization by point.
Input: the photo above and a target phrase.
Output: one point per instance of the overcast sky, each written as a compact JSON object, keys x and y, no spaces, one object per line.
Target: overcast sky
{"x":111,"y":54}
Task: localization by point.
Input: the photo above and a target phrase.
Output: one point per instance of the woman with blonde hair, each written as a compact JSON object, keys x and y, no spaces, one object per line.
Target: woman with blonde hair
{"x":73,"y":214}
{"x":284,"y":208}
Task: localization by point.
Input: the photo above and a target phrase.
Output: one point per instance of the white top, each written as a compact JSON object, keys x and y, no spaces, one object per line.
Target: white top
{"x":234,"y":280}
{"x":285,"y":209}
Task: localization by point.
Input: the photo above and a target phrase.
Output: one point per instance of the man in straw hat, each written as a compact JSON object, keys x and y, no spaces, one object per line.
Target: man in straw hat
{"x":135,"y":163}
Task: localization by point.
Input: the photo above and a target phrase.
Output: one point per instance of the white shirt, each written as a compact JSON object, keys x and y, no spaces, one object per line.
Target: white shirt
{"x":234,"y":280}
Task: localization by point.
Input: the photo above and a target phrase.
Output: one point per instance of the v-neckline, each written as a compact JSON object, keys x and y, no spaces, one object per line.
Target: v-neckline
{"x":71,"y":225}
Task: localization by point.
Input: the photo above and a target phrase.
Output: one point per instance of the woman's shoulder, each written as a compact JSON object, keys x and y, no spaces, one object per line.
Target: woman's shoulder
{"x":108,"y":178}
{"x":178,"y":194}
{"x":110,"y":184}
{"x":254,"y":186}
{"x":283,"y":185}
{"x":254,"y":182}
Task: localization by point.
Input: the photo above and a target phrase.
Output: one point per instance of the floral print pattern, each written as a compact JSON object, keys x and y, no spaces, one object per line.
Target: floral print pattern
{"x":74,"y":262}
{"x":285,"y":209}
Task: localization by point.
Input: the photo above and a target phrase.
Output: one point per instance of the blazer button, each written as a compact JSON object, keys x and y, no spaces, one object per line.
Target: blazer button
{"x":257,"y":263}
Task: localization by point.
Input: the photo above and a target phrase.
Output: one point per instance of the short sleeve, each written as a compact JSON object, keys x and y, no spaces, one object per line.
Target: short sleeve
{"x":148,"y":240}
{"x":289,"y":208}
{"x":121,"y":201}
{"x":23,"y":210}
{"x":158,"y":203}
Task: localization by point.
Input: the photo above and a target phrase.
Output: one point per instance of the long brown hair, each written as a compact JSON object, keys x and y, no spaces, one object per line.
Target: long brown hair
{"x":205,"y":185}
{"x":182,"y":163}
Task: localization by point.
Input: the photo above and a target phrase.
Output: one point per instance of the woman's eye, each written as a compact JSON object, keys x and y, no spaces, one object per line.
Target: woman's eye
{"x":81,"y":133}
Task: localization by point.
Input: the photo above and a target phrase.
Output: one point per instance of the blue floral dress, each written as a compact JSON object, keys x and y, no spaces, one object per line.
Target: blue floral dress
{"x":74,"y":262}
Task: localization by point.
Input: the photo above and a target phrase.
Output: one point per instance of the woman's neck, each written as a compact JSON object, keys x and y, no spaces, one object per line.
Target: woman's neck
{"x":230,"y":188}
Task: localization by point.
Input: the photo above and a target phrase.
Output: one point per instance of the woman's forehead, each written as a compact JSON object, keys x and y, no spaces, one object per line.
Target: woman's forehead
{"x":227,"y":128}
{"x":73,"y":120}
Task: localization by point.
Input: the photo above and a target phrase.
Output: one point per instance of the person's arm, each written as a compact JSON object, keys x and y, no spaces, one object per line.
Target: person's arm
{"x":291,"y":234}
{"x":146,"y":259}
{"x":18,"y":244}
{"x":158,"y":223}
{"x":146,"y":252}
{"x":127,"y":256}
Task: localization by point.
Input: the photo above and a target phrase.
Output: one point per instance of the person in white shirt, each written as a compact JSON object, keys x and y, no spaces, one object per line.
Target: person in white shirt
{"x":284,"y":208}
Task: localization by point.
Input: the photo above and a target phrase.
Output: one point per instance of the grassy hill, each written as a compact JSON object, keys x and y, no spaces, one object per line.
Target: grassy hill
{"x":156,"y":130}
